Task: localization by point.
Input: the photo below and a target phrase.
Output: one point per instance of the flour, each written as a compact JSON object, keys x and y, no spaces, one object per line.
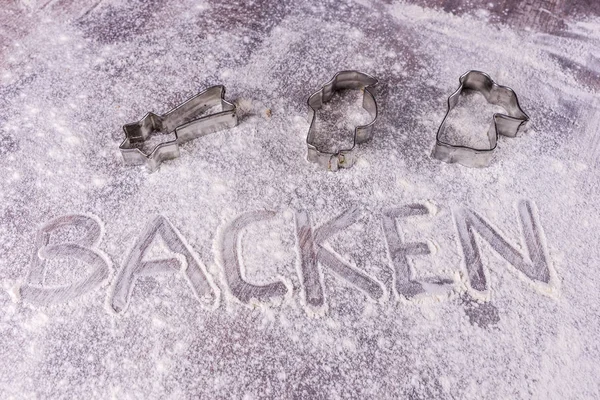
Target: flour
{"x":73,"y":74}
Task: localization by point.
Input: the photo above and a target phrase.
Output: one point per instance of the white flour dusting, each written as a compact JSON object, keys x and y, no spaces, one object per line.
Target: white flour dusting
{"x":269,"y":277}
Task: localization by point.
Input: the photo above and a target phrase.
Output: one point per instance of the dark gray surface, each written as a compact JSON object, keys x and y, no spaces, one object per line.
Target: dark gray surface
{"x":74,"y":72}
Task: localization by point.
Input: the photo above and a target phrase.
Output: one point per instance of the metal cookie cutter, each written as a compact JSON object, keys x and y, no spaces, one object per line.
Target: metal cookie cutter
{"x":503,"y":124}
{"x":184,"y":120}
{"x":341,"y":80}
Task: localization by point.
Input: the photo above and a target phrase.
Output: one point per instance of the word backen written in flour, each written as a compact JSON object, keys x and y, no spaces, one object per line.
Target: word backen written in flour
{"x":314,"y":257}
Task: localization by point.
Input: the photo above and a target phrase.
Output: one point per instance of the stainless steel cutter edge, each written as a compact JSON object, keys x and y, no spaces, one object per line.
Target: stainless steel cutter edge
{"x":503,"y":124}
{"x":351,"y":79}
{"x":183,"y":120}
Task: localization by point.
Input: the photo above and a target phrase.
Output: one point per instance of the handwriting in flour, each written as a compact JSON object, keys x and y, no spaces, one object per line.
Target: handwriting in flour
{"x":313,"y":253}
{"x":193,"y":270}
{"x":534,"y":265}
{"x":404,"y":283}
{"x":232,"y":261}
{"x":35,"y":291}
{"x":314,"y":257}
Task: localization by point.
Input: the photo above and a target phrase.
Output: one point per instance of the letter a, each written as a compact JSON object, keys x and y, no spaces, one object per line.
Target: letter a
{"x":134,"y":266}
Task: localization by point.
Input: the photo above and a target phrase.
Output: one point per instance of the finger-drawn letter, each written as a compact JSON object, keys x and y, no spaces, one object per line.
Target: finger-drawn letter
{"x":534,"y":265}
{"x":404,"y":284}
{"x":135,"y":266}
{"x":230,"y":254}
{"x":313,"y":253}
{"x":84,"y":249}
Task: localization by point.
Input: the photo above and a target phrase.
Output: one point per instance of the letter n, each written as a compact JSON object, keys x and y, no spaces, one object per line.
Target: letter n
{"x":534,"y":264}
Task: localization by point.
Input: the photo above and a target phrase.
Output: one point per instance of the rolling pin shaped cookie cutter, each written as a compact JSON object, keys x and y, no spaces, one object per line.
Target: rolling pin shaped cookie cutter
{"x":184,"y":120}
{"x":503,"y":124}
{"x":342,"y":80}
